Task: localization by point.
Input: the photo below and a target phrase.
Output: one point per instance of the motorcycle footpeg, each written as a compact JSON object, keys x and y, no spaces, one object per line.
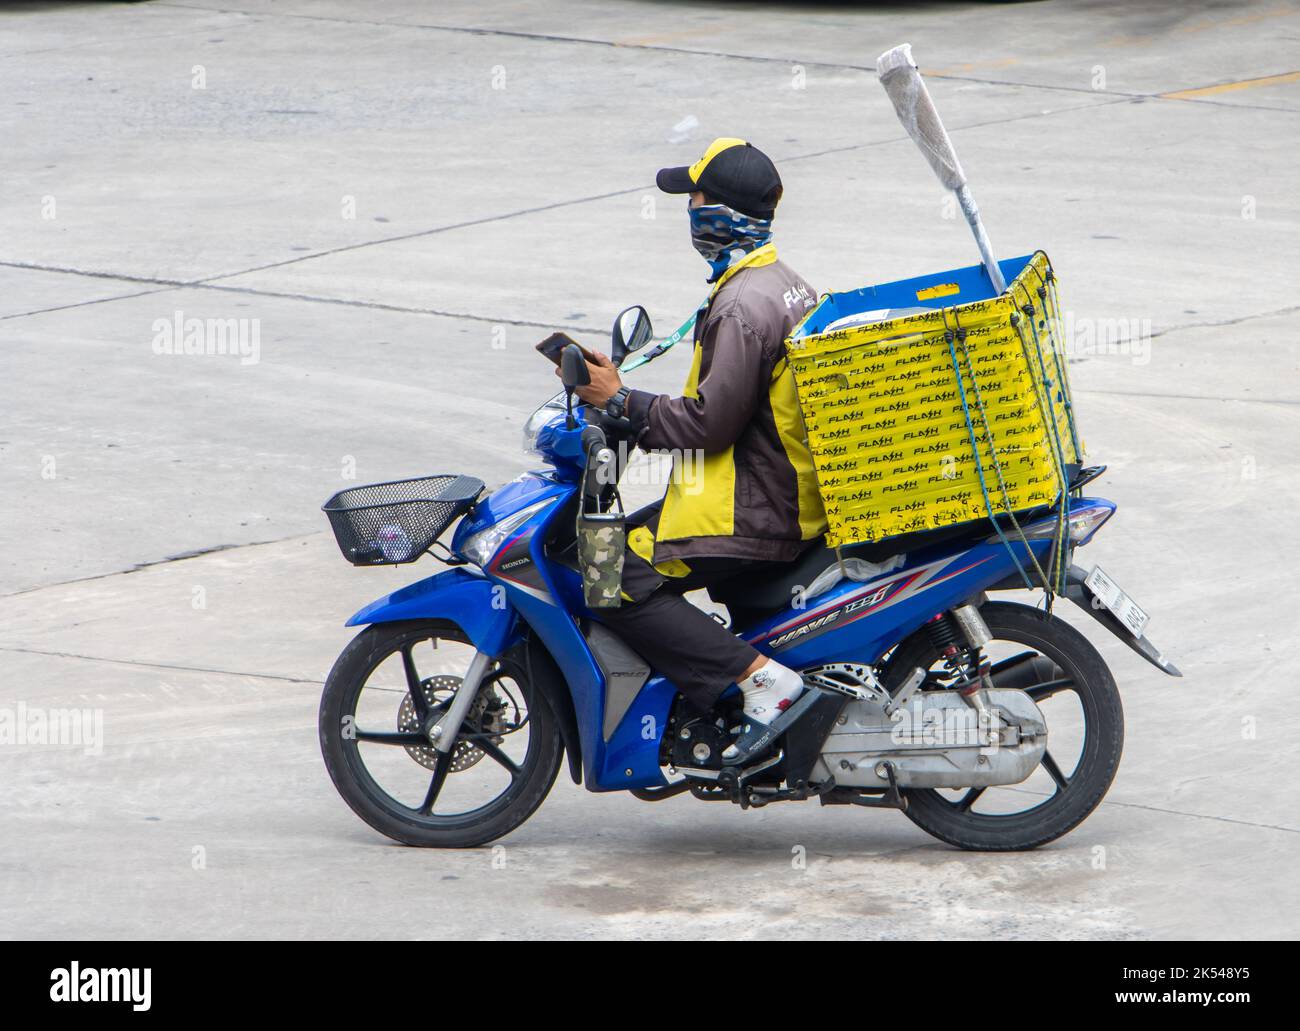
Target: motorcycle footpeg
{"x":760,"y":738}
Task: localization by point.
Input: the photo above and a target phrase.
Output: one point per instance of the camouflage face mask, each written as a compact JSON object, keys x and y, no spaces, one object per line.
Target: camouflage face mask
{"x":719,"y":232}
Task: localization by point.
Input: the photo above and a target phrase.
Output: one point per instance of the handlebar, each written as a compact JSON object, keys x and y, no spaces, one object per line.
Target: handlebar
{"x":592,"y":437}
{"x":602,"y":462}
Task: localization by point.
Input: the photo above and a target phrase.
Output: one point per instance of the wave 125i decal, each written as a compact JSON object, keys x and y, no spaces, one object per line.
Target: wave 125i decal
{"x":871,"y":597}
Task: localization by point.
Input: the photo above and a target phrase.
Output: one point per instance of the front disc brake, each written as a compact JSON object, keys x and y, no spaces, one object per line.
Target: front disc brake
{"x":464,"y":754}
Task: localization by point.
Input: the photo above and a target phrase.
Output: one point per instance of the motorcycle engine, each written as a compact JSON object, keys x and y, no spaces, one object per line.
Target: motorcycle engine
{"x":938,"y":739}
{"x":699,"y":742}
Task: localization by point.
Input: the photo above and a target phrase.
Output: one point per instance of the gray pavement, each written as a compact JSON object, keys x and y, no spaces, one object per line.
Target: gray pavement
{"x":163,"y":560}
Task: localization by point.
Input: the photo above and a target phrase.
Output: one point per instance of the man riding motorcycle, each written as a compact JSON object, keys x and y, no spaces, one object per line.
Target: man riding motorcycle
{"x":915,"y":683}
{"x":756,"y":500}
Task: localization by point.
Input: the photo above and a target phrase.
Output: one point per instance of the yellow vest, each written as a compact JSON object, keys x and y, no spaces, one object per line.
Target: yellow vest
{"x":703,"y":504}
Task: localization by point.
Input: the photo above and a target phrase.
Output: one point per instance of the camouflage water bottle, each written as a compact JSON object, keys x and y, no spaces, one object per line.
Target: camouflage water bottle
{"x":601,"y":542}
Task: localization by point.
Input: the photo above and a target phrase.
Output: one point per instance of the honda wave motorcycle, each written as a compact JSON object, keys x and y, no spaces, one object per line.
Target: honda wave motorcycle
{"x":992,"y":725}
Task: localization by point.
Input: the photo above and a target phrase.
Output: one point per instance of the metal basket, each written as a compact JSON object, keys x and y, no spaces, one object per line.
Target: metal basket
{"x":383,"y":524}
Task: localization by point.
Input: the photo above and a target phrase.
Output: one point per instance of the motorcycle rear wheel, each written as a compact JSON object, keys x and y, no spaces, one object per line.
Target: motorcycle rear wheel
{"x":1081,"y":670}
{"x":343,"y":732}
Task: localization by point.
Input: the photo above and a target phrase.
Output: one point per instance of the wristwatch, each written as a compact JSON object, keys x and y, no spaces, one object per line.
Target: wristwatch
{"x":616,"y":406}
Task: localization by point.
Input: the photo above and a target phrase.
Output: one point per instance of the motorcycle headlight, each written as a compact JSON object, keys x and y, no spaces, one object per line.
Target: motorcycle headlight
{"x":480,"y":547}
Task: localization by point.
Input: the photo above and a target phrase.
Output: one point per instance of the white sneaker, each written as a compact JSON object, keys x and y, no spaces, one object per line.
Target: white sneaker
{"x":768,"y":692}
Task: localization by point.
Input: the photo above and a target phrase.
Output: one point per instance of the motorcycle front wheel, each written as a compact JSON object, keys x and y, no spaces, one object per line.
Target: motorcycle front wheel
{"x":388,"y":683}
{"x":1069,"y":681}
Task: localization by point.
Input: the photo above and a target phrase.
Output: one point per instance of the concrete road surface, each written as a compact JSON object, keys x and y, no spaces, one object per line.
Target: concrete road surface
{"x":400,"y":199}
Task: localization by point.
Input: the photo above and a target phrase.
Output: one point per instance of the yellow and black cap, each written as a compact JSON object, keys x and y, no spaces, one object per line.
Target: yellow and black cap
{"x":732,"y":172}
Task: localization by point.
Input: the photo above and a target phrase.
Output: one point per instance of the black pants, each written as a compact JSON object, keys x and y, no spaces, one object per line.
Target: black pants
{"x":683,"y":643}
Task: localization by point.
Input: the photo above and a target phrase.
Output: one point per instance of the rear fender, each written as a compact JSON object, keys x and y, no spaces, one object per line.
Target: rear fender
{"x":1077,"y":591}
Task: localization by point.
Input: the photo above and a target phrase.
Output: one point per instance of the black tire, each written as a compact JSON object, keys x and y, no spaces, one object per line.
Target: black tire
{"x":387,"y":815}
{"x":1099,"y":755}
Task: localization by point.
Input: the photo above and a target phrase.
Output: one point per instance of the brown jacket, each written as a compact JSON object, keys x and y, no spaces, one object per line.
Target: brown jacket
{"x":743,"y":484}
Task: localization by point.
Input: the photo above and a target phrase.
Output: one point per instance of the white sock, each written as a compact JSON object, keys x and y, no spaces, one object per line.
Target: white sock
{"x":769,"y":690}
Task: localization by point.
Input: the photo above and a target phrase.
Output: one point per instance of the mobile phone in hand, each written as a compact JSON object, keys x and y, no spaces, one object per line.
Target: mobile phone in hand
{"x":551,"y":347}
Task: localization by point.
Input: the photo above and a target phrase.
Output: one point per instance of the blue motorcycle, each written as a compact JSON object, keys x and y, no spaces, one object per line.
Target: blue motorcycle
{"x":993,"y":725}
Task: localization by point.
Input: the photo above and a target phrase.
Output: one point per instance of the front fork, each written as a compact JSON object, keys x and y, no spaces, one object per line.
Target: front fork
{"x":442,"y":733}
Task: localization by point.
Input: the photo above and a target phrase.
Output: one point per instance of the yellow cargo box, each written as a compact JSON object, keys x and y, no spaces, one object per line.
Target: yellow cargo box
{"x":931,"y":402}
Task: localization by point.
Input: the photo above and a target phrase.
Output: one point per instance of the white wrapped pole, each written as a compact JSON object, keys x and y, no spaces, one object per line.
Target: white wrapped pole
{"x":899,"y":75}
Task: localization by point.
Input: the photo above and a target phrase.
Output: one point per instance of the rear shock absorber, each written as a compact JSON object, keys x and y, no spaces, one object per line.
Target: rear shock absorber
{"x":944,"y":634}
{"x":960,"y":637}
{"x":961,"y":658}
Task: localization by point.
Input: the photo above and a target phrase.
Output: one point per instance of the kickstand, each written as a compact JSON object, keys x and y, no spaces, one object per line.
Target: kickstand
{"x":891,"y":799}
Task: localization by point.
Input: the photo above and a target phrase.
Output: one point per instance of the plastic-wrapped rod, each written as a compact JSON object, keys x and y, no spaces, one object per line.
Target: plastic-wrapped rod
{"x":972,"y":213}
{"x":902,"y":81}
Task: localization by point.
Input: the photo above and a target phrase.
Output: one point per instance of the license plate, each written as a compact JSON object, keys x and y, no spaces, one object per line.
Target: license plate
{"x":1106,"y":591}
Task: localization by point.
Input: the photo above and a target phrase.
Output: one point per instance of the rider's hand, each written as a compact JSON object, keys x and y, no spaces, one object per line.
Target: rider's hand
{"x":604,"y":384}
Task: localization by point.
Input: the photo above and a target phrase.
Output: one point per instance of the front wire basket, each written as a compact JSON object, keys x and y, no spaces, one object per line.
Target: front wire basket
{"x":384,"y":524}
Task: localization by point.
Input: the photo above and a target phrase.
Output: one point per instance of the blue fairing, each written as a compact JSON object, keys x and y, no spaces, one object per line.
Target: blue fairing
{"x":634,"y":745}
{"x":562,"y":447}
{"x":528,"y":489}
{"x":463,"y":597}
{"x":863,"y":620}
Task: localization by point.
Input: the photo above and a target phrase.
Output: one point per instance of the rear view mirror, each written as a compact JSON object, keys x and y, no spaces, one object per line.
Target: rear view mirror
{"x":632,"y":331}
